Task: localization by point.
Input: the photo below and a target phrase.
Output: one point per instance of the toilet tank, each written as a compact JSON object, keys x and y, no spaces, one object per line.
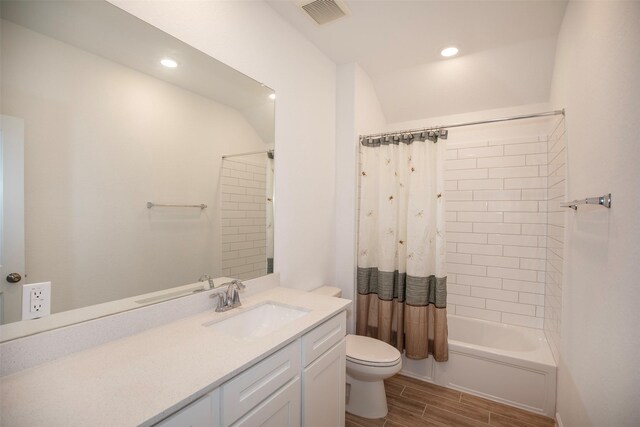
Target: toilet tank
{"x":330,"y":291}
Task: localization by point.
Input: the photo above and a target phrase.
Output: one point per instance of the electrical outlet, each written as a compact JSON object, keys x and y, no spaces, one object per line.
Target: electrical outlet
{"x":36,"y":300}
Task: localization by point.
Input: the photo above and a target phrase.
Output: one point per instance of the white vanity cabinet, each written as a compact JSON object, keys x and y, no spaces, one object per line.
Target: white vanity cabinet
{"x":302,"y":384}
{"x":203,"y":412}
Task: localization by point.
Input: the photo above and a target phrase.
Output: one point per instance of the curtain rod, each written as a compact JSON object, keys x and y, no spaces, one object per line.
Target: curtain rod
{"x":457,"y":125}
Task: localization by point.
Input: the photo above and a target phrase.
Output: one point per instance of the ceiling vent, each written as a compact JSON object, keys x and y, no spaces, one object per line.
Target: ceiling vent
{"x":324,"y":11}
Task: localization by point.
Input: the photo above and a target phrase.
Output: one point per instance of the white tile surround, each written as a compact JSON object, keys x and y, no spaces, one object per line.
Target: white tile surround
{"x":556,"y":194}
{"x":496,"y":229}
{"x":244,"y":217}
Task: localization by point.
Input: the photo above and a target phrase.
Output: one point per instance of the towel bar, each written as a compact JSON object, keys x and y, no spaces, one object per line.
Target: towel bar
{"x":602,"y":201}
{"x":152,"y":205}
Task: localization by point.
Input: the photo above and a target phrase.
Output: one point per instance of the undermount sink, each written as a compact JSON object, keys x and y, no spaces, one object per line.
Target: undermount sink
{"x":257,"y":321}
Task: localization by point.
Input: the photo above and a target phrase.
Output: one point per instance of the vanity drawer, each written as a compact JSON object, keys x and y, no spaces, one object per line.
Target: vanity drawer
{"x":252,"y":386}
{"x":322,"y":338}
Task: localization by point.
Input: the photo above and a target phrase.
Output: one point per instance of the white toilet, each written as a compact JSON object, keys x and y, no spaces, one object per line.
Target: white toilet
{"x":369,"y":362}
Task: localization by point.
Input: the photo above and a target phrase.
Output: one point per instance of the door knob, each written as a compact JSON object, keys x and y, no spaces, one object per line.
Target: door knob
{"x":14,"y":277}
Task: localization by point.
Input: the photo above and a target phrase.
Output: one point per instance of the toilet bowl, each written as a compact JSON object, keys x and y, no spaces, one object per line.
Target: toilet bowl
{"x":369,"y":363}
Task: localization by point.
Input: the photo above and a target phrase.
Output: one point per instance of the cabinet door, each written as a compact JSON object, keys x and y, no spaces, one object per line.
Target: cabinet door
{"x":281,"y":409}
{"x":204,"y":412}
{"x":324,"y":388}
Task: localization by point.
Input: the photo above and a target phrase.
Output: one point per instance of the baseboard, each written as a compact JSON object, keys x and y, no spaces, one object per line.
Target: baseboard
{"x":558,"y":420}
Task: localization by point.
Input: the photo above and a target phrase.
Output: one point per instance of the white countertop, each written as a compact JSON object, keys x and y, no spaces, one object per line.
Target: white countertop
{"x":145,"y":377}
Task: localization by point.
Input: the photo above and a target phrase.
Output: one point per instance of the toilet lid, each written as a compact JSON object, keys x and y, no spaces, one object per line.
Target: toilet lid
{"x":371,"y":351}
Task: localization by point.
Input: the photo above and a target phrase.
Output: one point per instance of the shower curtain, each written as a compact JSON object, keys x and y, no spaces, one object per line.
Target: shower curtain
{"x":401,"y":276}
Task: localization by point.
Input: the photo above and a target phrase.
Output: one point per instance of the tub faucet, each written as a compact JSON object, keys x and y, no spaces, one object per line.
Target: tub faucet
{"x":230,"y":298}
{"x":208,"y":279}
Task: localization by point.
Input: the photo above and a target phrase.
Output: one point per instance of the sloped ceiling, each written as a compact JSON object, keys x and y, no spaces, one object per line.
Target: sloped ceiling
{"x":507,"y":50}
{"x":103,"y":29}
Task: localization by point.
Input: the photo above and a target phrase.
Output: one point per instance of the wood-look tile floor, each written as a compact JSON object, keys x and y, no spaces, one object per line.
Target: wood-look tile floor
{"x":417,"y":403}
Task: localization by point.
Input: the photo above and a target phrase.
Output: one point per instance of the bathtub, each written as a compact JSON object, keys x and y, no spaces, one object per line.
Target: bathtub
{"x":508,"y":364}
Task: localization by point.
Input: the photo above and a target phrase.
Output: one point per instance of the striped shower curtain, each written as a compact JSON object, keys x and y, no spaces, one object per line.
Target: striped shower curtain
{"x":401,"y":281}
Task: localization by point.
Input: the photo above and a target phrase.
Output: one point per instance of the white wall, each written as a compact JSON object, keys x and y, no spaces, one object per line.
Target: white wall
{"x":92,"y":166}
{"x":358,"y":112}
{"x":250,"y":37}
{"x":596,"y":79}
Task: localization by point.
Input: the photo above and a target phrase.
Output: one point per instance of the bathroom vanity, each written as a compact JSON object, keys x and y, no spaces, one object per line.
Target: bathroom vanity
{"x":206,"y":369}
{"x":277,"y":391}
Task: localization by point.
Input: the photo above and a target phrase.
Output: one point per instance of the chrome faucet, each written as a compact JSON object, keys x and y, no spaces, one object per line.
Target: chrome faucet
{"x":233,"y":292}
{"x":230,"y":298}
{"x":208,"y":279}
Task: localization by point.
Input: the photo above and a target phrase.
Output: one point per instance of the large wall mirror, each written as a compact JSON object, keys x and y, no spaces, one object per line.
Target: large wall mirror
{"x":132,"y":164}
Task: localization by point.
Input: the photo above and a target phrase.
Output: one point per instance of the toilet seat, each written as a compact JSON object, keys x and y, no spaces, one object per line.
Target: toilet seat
{"x":372,"y":364}
{"x":371,"y":352}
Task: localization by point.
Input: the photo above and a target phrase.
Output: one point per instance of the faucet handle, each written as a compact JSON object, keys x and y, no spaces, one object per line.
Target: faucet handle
{"x":223,"y":301}
{"x":239,"y":284}
{"x":233,"y":284}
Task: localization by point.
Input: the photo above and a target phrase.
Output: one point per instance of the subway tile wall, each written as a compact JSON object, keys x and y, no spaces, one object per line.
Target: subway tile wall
{"x":496,"y":194}
{"x":556,"y":189}
{"x":244,"y":217}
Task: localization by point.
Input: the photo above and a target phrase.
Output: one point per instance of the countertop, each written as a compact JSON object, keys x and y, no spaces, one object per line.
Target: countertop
{"x":141,"y":379}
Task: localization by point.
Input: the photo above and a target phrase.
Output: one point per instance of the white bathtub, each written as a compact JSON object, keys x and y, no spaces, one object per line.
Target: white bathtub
{"x":508,"y":364}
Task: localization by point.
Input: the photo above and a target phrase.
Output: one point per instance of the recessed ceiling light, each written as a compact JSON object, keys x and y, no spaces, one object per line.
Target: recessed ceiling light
{"x":169,"y":63}
{"x":449,"y":51}
{"x":272,"y":96}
